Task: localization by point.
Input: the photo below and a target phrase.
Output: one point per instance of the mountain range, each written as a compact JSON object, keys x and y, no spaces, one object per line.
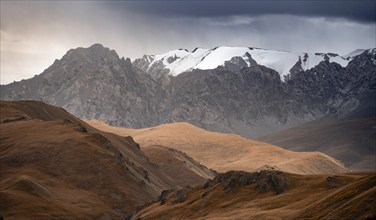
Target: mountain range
{"x":179,"y":61}
{"x":166,"y":136}
{"x":248,"y":91}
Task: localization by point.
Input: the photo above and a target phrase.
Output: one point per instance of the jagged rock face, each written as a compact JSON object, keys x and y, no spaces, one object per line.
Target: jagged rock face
{"x":227,"y":100}
{"x":241,"y":96}
{"x":319,"y":86}
{"x":94,"y":83}
{"x":335,"y":90}
{"x":156,"y":70}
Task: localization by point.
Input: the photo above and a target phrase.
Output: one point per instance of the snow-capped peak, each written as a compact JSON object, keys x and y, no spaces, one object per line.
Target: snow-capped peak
{"x":178,"y":61}
{"x":353,"y":54}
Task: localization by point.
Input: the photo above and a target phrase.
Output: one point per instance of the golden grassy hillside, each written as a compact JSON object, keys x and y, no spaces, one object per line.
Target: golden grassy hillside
{"x":224,"y":152}
{"x":270,"y":195}
{"x":55,"y":166}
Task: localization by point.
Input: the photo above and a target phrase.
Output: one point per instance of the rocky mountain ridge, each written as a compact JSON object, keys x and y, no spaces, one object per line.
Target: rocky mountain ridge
{"x":239,"y":96}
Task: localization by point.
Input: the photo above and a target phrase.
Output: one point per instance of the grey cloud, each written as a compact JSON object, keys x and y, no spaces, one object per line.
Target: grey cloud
{"x":359,"y":10}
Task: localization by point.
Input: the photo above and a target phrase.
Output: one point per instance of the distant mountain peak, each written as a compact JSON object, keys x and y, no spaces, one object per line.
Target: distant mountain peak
{"x":97,"y":45}
{"x":179,"y":61}
{"x":95,"y":53}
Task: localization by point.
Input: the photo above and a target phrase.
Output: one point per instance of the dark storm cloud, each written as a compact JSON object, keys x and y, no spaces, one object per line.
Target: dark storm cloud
{"x":360,"y":10}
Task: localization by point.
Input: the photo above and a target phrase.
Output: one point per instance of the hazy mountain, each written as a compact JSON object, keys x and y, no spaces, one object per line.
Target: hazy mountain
{"x":352,"y":141}
{"x":238,"y":96}
{"x":94,"y":83}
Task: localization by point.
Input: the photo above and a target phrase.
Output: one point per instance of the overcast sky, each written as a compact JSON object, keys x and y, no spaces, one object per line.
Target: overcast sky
{"x":35,"y":33}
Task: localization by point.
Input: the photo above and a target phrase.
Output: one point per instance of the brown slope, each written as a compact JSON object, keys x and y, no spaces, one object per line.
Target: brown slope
{"x":182,"y":168}
{"x":270,"y":195}
{"x":356,"y":200}
{"x":42,"y":159}
{"x":224,"y":152}
{"x":69,"y":169}
{"x":26,"y":110}
{"x":353,"y":141}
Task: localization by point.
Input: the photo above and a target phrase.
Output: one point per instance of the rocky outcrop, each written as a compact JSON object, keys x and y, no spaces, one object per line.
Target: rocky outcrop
{"x":333,"y":182}
{"x":265,"y":180}
{"x":179,"y":195}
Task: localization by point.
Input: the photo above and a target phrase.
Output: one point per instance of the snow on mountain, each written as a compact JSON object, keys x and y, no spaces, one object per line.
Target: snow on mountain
{"x":373,"y":52}
{"x":179,"y":61}
{"x":218,"y":56}
{"x":353,"y":54}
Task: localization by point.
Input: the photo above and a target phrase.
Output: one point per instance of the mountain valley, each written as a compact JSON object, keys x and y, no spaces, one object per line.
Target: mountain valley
{"x":222,"y":133}
{"x":188,"y":110}
{"x":74,"y":169}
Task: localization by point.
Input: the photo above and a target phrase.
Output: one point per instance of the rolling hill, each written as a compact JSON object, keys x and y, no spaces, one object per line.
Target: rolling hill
{"x":225,"y":152}
{"x":269,"y":195}
{"x":352,"y":140}
{"x":55,"y":166}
